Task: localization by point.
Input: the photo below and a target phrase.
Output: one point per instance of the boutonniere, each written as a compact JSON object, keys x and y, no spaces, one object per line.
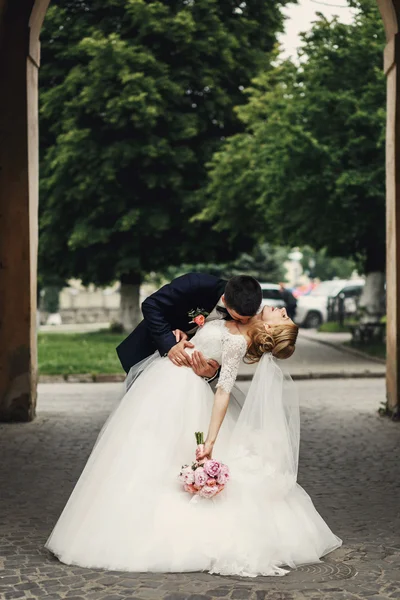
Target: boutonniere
{"x":198,"y":316}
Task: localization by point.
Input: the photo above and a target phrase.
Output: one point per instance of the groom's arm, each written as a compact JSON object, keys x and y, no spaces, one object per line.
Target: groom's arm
{"x":156,"y":306}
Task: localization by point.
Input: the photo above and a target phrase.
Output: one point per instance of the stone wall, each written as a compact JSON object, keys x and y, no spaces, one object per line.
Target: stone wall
{"x":90,"y":304}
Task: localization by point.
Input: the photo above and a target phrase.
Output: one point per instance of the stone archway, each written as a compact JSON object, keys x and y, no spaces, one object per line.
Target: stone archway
{"x":390,"y":10}
{"x":20,"y":24}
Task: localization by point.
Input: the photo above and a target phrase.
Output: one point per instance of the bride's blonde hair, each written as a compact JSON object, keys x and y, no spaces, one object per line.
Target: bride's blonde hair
{"x":280,"y":340}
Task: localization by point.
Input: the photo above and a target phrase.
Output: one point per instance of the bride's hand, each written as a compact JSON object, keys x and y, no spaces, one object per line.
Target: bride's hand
{"x":206,"y":452}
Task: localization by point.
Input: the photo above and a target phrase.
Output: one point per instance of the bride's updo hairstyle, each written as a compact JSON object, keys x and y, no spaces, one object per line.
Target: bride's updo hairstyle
{"x":280,"y":340}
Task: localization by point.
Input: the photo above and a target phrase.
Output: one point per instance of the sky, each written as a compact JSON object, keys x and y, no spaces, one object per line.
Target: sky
{"x":301,"y":15}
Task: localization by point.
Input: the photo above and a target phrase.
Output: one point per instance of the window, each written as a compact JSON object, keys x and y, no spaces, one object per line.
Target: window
{"x":351,"y":291}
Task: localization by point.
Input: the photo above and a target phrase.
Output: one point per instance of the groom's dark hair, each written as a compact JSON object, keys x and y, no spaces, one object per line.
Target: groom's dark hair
{"x":243,"y":294}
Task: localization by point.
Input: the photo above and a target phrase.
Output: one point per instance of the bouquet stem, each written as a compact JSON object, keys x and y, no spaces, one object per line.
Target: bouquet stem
{"x":199,"y":437}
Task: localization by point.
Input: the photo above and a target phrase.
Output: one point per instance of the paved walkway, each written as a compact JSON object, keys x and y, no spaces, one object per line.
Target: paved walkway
{"x":348,"y":464}
{"x":326,"y":336}
{"x":314,"y":359}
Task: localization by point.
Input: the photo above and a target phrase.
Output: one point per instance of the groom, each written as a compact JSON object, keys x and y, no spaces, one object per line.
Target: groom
{"x":169,"y":313}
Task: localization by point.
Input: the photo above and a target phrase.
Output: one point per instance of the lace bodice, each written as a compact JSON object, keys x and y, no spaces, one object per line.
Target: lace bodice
{"x":215,"y":341}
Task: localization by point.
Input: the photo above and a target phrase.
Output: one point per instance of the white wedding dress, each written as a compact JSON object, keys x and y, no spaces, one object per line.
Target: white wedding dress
{"x":128,"y":511}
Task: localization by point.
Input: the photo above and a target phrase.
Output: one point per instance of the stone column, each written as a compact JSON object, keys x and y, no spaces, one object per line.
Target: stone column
{"x":19,"y":61}
{"x":392,"y":66}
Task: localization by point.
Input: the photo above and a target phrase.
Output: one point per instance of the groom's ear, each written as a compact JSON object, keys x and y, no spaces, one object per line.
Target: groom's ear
{"x":223,"y":298}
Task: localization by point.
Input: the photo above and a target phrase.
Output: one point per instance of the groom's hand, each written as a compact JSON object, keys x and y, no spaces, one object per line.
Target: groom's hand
{"x":180,"y":335}
{"x":203,"y":367}
{"x":178,"y":355}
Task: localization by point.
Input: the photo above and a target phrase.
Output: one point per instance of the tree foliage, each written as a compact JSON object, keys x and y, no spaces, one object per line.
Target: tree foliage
{"x":310,"y":164}
{"x":136,"y":96}
{"x":318,"y":265}
{"x":265,"y":263}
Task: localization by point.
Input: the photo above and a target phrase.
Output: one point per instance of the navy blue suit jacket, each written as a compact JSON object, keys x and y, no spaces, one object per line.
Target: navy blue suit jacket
{"x":166,"y":310}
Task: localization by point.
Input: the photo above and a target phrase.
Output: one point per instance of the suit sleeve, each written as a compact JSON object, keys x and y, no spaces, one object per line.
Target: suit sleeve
{"x":154,"y":310}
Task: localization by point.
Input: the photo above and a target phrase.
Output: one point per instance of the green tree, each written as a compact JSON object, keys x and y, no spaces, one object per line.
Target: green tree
{"x":136,"y":96}
{"x":318,"y":265}
{"x":311,"y":162}
{"x":265,"y":263}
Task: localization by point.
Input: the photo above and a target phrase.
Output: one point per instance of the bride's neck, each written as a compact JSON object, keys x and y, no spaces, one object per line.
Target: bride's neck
{"x":245,"y":328}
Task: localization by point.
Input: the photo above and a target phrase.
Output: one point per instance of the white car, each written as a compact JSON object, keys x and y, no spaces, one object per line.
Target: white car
{"x":312,"y":310}
{"x":271,"y":295}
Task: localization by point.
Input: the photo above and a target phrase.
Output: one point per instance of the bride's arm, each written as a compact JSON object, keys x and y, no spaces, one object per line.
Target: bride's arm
{"x":221,"y":401}
{"x":233,"y":350}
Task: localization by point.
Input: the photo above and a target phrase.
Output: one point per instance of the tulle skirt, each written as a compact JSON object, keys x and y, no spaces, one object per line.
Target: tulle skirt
{"x":128,"y":511}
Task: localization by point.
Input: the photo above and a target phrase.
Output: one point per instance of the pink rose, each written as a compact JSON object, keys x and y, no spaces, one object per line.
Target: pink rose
{"x":190,"y":488}
{"x":200,"y":477}
{"x":199,"y":320}
{"x":223,"y":475}
{"x":186,"y":475}
{"x":212,"y":467}
{"x":211,"y":482}
{"x":208,"y":491}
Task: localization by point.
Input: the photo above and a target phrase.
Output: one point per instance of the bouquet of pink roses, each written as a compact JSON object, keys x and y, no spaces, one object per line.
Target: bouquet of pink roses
{"x":205,"y":478}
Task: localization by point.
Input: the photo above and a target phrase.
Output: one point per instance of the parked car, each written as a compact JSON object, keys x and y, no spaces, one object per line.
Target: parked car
{"x":312,"y":310}
{"x":271,"y":295}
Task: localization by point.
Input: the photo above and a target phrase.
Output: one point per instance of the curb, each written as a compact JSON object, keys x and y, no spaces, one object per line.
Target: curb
{"x":327,"y":375}
{"x":117,"y":378}
{"x":83,"y":378}
{"x":349,"y":350}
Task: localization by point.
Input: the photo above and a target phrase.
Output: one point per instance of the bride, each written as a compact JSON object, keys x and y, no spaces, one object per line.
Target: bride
{"x":128,"y":511}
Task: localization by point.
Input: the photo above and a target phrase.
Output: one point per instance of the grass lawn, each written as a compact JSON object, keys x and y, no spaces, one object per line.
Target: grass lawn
{"x":76,"y":353}
{"x":376,"y":349}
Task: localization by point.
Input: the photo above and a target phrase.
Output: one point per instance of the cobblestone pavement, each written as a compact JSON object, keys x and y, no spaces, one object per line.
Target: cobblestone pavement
{"x":349,"y":465}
